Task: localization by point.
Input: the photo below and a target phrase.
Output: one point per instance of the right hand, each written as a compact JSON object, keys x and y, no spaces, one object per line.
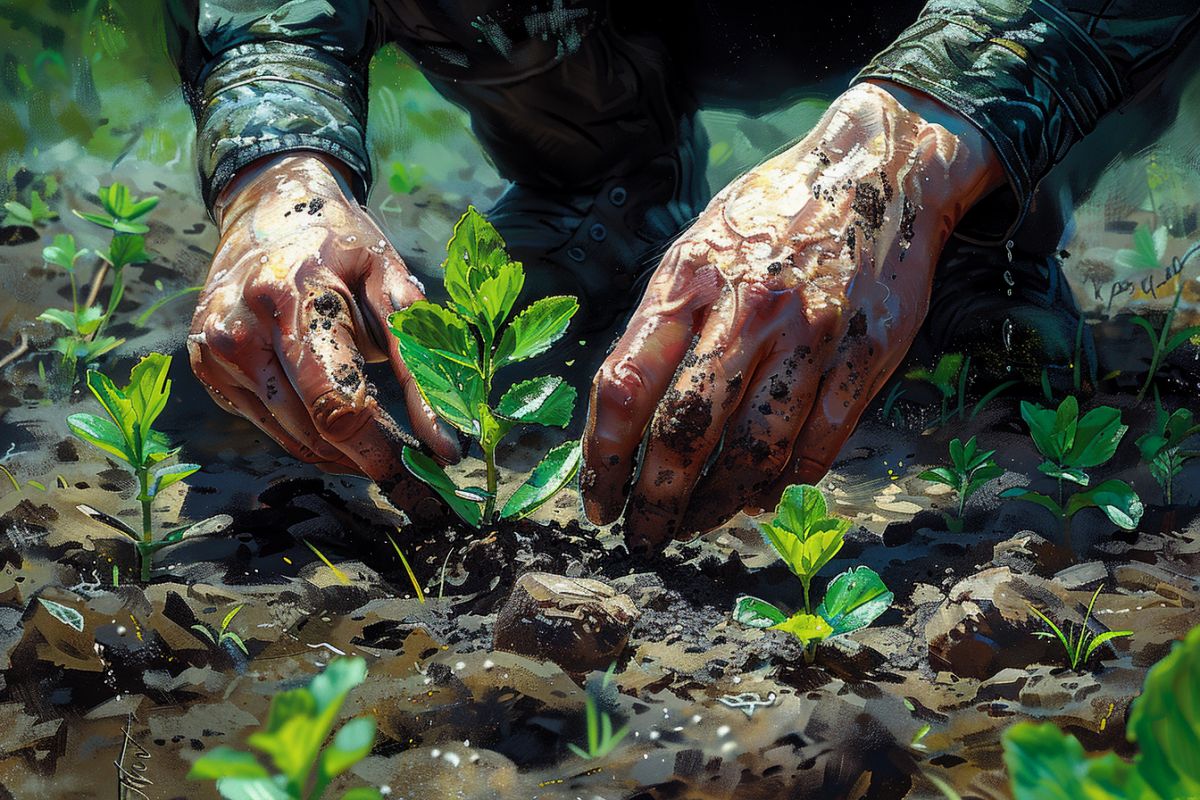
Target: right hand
{"x":296,"y":301}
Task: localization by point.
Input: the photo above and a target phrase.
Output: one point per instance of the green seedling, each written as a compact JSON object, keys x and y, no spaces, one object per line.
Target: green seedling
{"x":299,"y":722}
{"x":949,"y":377}
{"x":1079,"y":645}
{"x":218,"y":637}
{"x":127,"y":434}
{"x":806,"y":537}
{"x":121,"y":210}
{"x":1163,"y":341}
{"x":970,"y":468}
{"x":36,"y":214}
{"x":1147,"y":250}
{"x":1162,"y":448}
{"x":82,"y":322}
{"x":1071,"y":446}
{"x":601,"y":739}
{"x":1045,"y":763}
{"x":454,"y":352}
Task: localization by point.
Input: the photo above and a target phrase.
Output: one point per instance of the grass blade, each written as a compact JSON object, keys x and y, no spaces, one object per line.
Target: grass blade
{"x":337,"y":573}
{"x":416,"y":586}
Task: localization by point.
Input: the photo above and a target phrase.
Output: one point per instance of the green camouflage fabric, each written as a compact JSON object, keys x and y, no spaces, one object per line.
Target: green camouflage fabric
{"x":1035,"y":76}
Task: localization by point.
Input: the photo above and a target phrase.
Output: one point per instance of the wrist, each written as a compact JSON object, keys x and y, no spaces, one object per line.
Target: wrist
{"x":977,"y":168}
{"x":321,"y":172}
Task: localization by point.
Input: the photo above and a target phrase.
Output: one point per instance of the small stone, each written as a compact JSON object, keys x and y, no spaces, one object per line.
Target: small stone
{"x":578,"y":623}
{"x":1004,"y":685}
{"x":1031,"y":554}
{"x":1082,"y":576}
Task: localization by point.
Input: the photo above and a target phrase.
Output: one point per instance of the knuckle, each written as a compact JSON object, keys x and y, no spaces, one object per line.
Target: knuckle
{"x":618,"y":385}
{"x":338,"y":417}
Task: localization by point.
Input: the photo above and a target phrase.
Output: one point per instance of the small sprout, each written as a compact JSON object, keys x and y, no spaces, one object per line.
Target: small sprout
{"x":1071,"y":445}
{"x":127,"y":435}
{"x":1045,"y":763}
{"x":601,"y":738}
{"x":454,"y":352}
{"x":121,"y":210}
{"x":1163,"y":341}
{"x":1162,"y":448}
{"x":299,"y":723}
{"x":1078,"y":644}
{"x":806,"y":538}
{"x":223,"y":634}
{"x":949,"y":377}
{"x":36,"y":214}
{"x":970,"y":468}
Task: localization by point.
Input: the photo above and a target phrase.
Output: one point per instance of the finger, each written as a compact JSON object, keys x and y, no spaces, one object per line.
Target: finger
{"x":859,"y":368}
{"x":228,"y":391}
{"x":624,"y":394}
{"x":385,"y":291}
{"x":315,"y":342}
{"x":759,"y":438}
{"x":688,"y":423}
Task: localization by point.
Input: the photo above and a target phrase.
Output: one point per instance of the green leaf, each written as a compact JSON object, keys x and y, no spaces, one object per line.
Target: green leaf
{"x":252,"y":789}
{"x":1165,"y":722}
{"x":87,"y":320}
{"x":1116,"y":498}
{"x":496,"y":296}
{"x":225,"y":762}
{"x":18,"y":214}
{"x":60,"y":316}
{"x":116,"y":225}
{"x":350,"y":745}
{"x":553,"y":473}
{"x":436,"y":478}
{"x":229,"y":617}
{"x":854,"y":599}
{"x":1072,"y":474}
{"x":1096,"y":438}
{"x":805,"y":627}
{"x":237,"y":641}
{"x":64,"y":614}
{"x":943,"y":475}
{"x":126,"y":249}
{"x":1100,"y":640}
{"x":63,"y":252}
{"x":1046,"y":764}
{"x":100,"y":433}
{"x":946,"y":371}
{"x":475,"y":253}
{"x":755,"y":613}
{"x":1178,"y":338}
{"x":148,"y":391}
{"x":1037,"y":498}
{"x":531,"y":332}
{"x":363,"y":793}
{"x":547,"y":400}
{"x":440,"y":352}
{"x":97,"y":347}
{"x":119,"y":409}
{"x":1041,"y":422}
{"x":166,"y":476}
{"x":204,"y":631}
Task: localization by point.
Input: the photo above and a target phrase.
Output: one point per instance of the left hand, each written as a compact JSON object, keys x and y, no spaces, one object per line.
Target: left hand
{"x":773,"y":321}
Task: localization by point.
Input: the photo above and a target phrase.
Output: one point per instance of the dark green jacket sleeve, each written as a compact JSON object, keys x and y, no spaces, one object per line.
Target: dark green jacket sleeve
{"x":1036,"y":75}
{"x":266,"y":77}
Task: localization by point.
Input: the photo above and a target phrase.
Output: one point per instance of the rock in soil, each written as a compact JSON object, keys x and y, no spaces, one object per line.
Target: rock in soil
{"x":578,"y":623}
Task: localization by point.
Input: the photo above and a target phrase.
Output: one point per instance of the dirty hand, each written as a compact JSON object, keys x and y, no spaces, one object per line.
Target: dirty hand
{"x":773,"y":320}
{"x":301,"y":286}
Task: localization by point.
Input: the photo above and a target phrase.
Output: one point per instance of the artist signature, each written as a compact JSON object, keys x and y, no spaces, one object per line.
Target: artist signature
{"x":1149,"y":284}
{"x":131,"y":766}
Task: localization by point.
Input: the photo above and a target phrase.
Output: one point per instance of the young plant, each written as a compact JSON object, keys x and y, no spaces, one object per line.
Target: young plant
{"x":1078,"y":644}
{"x":1164,"y":723}
{"x":454,"y":352}
{"x":949,"y":377}
{"x":1162,"y":341}
{"x":1162,"y":448}
{"x":127,"y":434}
{"x":1071,"y":445}
{"x":970,"y":468}
{"x":806,"y":537}
{"x":601,"y":739}
{"x":299,"y":722}
{"x":36,"y":214}
{"x":122,"y":215}
{"x":82,"y":322}
{"x":219,"y":637}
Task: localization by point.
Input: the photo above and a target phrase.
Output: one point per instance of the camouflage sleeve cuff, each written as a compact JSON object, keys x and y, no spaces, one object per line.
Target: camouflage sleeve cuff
{"x":272,"y":97}
{"x":1022,"y":72}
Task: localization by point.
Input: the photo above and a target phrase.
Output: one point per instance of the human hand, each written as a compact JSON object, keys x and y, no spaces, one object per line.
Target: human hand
{"x":297,"y":300}
{"x":772,"y":322}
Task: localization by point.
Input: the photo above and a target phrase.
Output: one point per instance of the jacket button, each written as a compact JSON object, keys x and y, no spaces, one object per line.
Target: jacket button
{"x":617,"y":196}
{"x":576,"y":254}
{"x":598,"y":232}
